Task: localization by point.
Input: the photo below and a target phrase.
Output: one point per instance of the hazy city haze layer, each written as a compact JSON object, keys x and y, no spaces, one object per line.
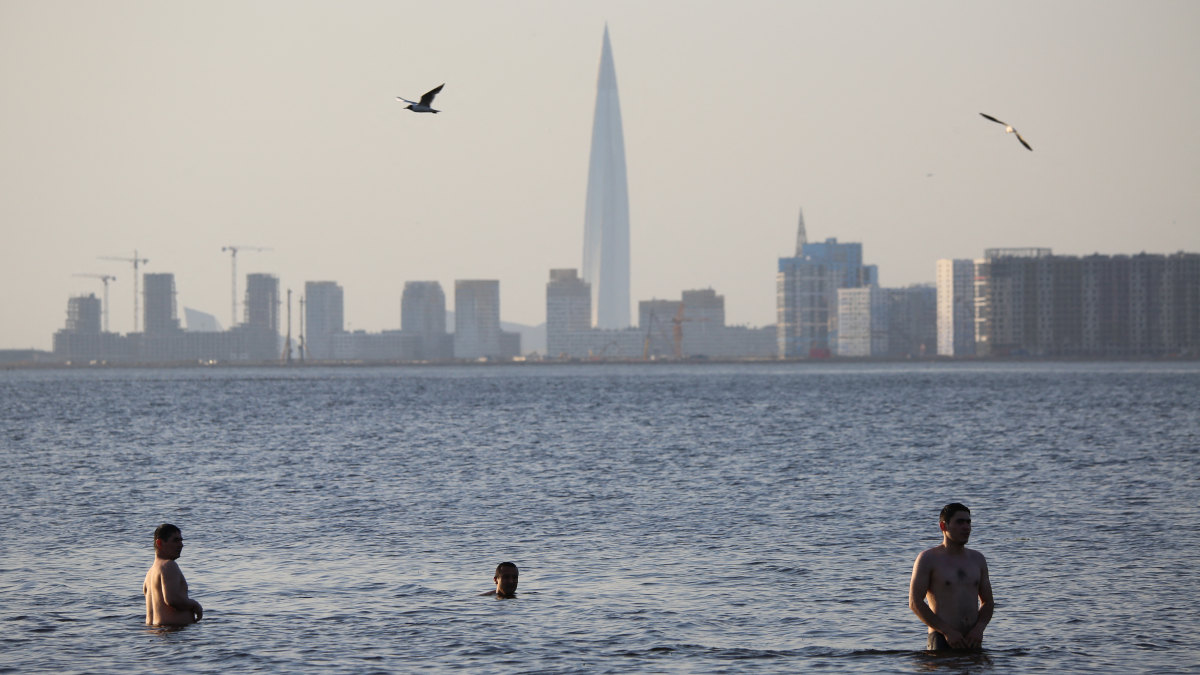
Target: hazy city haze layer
{"x":178,"y":129}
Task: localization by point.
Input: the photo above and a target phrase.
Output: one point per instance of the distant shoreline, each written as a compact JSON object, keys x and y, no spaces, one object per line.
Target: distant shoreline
{"x":533,"y":363}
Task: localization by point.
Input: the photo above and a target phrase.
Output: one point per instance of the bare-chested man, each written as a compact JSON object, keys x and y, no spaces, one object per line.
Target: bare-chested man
{"x":506,"y":581}
{"x":950,"y":590}
{"x":166,"y":591}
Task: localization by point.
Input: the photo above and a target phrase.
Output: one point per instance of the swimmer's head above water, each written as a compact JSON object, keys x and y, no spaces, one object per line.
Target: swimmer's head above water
{"x":168,"y":542}
{"x":506,"y":579}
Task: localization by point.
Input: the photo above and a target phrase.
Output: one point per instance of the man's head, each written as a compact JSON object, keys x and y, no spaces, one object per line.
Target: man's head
{"x":506,"y":579}
{"x":955,"y":522}
{"x":168,"y":541}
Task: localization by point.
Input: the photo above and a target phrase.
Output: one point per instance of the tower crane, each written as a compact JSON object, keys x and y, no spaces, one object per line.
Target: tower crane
{"x":287,"y":342}
{"x":137,"y":262}
{"x":676,"y":336}
{"x":233,"y":251}
{"x":104,"y":278}
{"x":677,"y":332}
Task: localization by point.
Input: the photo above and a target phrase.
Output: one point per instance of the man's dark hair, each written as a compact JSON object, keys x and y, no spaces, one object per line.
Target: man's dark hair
{"x":165,"y":531}
{"x":502,"y":565}
{"x":949,"y":510}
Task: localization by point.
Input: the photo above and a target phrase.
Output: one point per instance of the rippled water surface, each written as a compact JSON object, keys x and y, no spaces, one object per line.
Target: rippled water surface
{"x":665,"y":518}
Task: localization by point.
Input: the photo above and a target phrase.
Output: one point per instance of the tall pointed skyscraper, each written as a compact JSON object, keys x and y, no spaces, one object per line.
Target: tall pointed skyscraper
{"x":801,"y":236}
{"x":606,"y":217}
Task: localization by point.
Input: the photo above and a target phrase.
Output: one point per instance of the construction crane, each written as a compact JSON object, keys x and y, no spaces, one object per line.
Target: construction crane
{"x":233,"y":251}
{"x":104,"y":278}
{"x":301,"y":346}
{"x":677,"y":333}
{"x":137,"y":262}
{"x":676,"y":336}
{"x":286,"y":357}
{"x":653,"y":318}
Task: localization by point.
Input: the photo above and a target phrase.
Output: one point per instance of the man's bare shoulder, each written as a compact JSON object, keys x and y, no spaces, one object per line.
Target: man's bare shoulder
{"x":929,"y":554}
{"x":976,"y":556}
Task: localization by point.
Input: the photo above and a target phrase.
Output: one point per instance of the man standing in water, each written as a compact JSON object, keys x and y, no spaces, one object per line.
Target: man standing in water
{"x":950,"y":590}
{"x":506,"y":581}
{"x":166,"y":591}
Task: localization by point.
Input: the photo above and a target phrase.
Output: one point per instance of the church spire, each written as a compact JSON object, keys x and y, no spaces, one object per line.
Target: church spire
{"x":801,"y":236}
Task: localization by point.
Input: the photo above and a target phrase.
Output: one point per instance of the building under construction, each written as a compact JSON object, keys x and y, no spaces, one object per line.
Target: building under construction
{"x":164,"y":341}
{"x":688,"y":328}
{"x":1031,"y":302}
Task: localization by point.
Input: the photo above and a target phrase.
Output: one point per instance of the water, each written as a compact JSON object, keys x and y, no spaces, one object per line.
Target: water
{"x":665,"y":518}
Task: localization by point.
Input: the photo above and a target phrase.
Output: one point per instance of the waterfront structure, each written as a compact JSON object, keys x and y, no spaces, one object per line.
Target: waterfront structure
{"x":703,"y":333}
{"x":163,"y":341}
{"x":806,"y":293}
{"x":606,"y":214}
{"x":385,"y":346}
{"x":200,"y":322}
{"x":568,"y":310}
{"x":1032,"y":302}
{"x":257,"y":337}
{"x":862,"y":319}
{"x":955,"y":307}
{"x":83,"y":314}
{"x":81,"y":340}
{"x":657,"y":319}
{"x":693,"y":327}
{"x":423,"y":316}
{"x":324,"y":317}
{"x":886,"y":322}
{"x":477,"y":333}
{"x":262,"y":302}
{"x":158,"y":304}
{"x":912,"y":321}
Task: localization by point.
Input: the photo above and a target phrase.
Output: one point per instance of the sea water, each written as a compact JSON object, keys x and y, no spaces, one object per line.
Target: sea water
{"x":665,"y":518}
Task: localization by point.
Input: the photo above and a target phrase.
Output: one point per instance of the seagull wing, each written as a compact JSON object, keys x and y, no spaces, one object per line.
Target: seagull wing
{"x":427,"y":97}
{"x":987,"y":116}
{"x":1027,"y":146}
{"x":401,"y":98}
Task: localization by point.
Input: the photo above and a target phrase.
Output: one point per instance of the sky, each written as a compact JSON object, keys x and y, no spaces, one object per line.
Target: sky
{"x":178,"y":128}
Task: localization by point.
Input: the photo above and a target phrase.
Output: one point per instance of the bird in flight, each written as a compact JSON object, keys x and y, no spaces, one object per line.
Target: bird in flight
{"x":1007,"y":129}
{"x":426,"y":102}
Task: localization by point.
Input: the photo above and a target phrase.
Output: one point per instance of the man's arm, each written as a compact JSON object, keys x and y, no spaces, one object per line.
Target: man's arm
{"x":974,"y":637}
{"x":918,"y":587}
{"x":175,"y":591}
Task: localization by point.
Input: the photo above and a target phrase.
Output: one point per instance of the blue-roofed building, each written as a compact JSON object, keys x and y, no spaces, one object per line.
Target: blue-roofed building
{"x":806,"y":293}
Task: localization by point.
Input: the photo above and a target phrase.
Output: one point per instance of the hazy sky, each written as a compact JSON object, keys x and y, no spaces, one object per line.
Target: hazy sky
{"x":177,"y":128}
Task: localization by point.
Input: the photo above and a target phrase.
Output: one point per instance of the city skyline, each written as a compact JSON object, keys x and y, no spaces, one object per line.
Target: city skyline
{"x":1010,"y":302}
{"x":177,"y":131}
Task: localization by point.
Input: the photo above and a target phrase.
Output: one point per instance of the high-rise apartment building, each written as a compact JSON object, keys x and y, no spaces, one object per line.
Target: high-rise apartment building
{"x":262,"y":302}
{"x":82,"y":340}
{"x":956,"y":307}
{"x":423,"y":317}
{"x":324,"y":317}
{"x":704,"y":307}
{"x":1031,"y":302}
{"x":806,"y":293}
{"x":912,"y":321}
{"x":606,"y":214}
{"x":159,"y":305}
{"x":83,"y":315}
{"x":568,"y":310}
{"x":862,"y":318}
{"x":476,"y":319}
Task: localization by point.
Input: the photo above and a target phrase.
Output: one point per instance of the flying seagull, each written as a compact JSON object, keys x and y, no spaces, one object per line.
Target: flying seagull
{"x":426,"y":102}
{"x":1007,"y":129}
